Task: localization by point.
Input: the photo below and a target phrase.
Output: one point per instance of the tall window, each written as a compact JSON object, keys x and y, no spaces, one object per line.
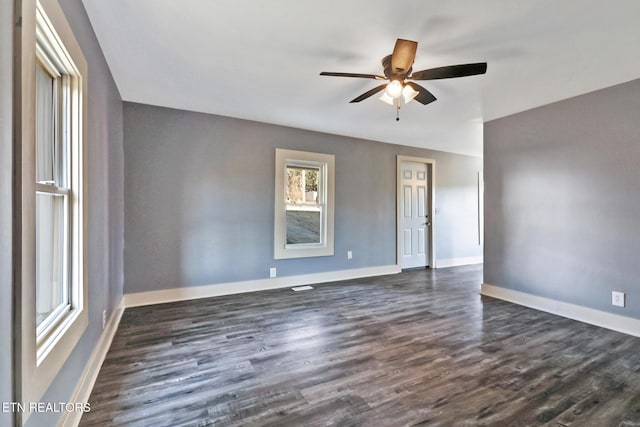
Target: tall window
{"x":53,"y":195}
{"x":304,"y":204}
{"x":53,"y":256}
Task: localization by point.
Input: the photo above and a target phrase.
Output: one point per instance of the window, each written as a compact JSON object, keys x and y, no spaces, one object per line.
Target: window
{"x":304,"y":204}
{"x":58,"y":185}
{"x":53,"y":273}
{"x":53,"y":195}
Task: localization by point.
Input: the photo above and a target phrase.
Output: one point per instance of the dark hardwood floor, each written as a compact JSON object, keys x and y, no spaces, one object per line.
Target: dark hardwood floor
{"x":417,"y":348}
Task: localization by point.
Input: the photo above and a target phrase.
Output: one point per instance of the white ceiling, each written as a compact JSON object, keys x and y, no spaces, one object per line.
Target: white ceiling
{"x":260,"y":60}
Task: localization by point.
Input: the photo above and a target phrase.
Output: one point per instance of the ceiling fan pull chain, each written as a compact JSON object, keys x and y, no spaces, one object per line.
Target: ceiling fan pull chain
{"x":398,"y":112}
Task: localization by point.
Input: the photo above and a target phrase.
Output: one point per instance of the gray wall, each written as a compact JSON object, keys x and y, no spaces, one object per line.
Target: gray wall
{"x":562,"y":200}
{"x":6,"y":295}
{"x":199,"y":193}
{"x":105,"y":198}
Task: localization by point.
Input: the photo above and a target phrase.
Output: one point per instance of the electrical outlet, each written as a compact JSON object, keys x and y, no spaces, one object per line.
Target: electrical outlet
{"x":617,"y":298}
{"x":272,"y":272}
{"x":349,"y":254}
{"x":104,"y":319}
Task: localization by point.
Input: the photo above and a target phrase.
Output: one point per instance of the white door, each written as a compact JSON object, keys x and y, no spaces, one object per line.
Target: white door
{"x":415,"y":215}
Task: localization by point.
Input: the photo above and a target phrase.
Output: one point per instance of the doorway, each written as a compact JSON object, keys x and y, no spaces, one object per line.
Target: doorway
{"x":415,"y":212}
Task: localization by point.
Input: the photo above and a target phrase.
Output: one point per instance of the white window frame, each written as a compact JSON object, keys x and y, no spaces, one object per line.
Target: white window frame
{"x":46,"y":36}
{"x":326,"y":164}
{"x":48,"y":60}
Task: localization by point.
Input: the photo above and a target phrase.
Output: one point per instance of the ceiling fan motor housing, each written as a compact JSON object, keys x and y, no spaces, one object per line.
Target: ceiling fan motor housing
{"x":390,"y":73}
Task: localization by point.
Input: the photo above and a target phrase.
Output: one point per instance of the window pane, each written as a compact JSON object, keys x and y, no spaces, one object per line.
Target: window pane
{"x":47,"y":128}
{"x":303,"y":214}
{"x":303,"y":226}
{"x":302,"y":185}
{"x":51,"y":262}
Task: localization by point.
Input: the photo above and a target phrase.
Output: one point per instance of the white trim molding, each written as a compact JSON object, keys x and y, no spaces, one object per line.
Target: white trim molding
{"x":456,"y":262}
{"x":615,"y":322}
{"x":195,"y":292}
{"x":325,"y":165}
{"x":90,"y":374}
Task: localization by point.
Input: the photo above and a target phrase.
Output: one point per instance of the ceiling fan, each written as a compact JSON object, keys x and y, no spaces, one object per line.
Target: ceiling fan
{"x":398,"y":73}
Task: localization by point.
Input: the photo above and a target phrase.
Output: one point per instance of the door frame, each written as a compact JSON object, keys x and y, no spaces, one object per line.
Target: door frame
{"x":431,"y":175}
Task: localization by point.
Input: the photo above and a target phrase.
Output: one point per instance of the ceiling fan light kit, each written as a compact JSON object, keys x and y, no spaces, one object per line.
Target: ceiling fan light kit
{"x":394,"y":89}
{"x":398,"y":72}
{"x":408,"y":93}
{"x":386,"y":98}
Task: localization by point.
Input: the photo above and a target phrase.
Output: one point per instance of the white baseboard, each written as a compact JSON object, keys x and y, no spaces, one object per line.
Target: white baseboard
{"x":455,"y":262}
{"x":195,"y":292}
{"x":87,"y":380}
{"x":615,"y":322}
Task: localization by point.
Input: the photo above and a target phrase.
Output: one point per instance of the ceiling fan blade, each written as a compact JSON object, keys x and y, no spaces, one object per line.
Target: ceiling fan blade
{"x":450,"y":71}
{"x":424,"y":96}
{"x":369,"y":93}
{"x":404,"y":52}
{"x":362,"y":76}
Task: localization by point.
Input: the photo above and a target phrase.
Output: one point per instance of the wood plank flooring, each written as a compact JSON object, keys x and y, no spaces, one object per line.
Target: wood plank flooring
{"x":418,"y":348}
